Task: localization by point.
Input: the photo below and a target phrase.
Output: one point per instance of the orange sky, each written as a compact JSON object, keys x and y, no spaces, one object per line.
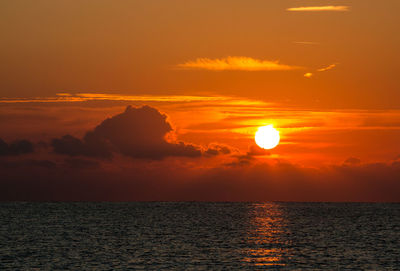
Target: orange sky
{"x":324,"y":74}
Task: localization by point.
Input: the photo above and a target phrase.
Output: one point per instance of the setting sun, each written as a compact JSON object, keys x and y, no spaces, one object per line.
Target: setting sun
{"x":267,"y":137}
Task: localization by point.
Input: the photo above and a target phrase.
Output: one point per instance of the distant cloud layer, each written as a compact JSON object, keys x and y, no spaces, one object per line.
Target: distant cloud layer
{"x":165,"y":180}
{"x":320,"y":8}
{"x":85,"y":97}
{"x":238,"y":63}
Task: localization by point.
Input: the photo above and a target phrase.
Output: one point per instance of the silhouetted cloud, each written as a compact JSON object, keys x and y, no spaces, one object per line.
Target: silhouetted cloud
{"x":238,"y":63}
{"x":137,"y":132}
{"x":249,"y":157}
{"x":79,"y":163}
{"x":27,"y":163}
{"x":17,"y":147}
{"x":352,"y":161}
{"x":166,"y":180}
{"x":241,"y":160}
{"x":216,"y":149}
{"x":89,"y":146}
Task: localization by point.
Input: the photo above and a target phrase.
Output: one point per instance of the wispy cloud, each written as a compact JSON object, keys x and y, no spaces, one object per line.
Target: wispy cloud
{"x":306,"y":42}
{"x":238,"y":63}
{"x":320,"y":8}
{"x":83,"y":97}
{"x":327,"y":68}
{"x":167,"y":99}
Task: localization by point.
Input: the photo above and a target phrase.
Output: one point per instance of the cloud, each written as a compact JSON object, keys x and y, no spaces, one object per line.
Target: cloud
{"x":27,"y":163}
{"x":235,"y":63}
{"x":79,"y":163}
{"x":306,"y":42}
{"x":247,"y":180}
{"x":17,"y":147}
{"x":89,"y":146}
{"x":86,"y":97}
{"x":137,"y":132}
{"x":327,"y":68}
{"x":324,"y":69}
{"x":320,"y":8}
{"x":217,"y":149}
{"x":352,"y":161}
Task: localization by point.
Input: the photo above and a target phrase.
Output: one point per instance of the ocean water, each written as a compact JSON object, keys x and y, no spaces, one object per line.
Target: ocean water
{"x":199,"y":236}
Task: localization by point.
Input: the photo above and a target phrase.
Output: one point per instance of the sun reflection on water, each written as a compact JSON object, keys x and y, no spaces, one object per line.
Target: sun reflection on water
{"x":266,"y":247}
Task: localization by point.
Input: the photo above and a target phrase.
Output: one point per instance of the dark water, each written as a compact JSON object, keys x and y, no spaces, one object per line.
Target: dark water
{"x":199,"y":236}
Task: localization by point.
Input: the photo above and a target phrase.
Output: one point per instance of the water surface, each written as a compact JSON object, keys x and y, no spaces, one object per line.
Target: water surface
{"x":199,"y":236}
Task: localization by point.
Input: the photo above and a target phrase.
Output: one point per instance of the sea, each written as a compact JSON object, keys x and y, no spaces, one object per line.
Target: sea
{"x":199,"y":236}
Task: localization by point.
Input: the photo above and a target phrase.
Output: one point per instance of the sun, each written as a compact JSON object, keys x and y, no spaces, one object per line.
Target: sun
{"x":267,"y":137}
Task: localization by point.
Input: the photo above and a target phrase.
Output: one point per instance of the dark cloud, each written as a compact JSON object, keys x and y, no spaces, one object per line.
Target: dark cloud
{"x":249,"y":157}
{"x":78,"y":163}
{"x":27,"y":163}
{"x":89,"y":146}
{"x":217,"y":149}
{"x":352,"y":161}
{"x":169,"y":181}
{"x":17,"y":147}
{"x":69,"y":145}
{"x":137,"y":132}
{"x":240,"y":160}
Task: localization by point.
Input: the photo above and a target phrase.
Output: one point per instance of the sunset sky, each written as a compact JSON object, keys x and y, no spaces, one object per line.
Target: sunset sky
{"x":160,"y":100}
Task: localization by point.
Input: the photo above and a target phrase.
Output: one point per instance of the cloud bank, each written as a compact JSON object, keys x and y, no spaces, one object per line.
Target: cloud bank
{"x":235,"y":63}
{"x":166,"y":180}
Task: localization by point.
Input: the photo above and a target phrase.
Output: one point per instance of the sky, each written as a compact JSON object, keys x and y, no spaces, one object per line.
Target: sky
{"x":159,"y":100}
